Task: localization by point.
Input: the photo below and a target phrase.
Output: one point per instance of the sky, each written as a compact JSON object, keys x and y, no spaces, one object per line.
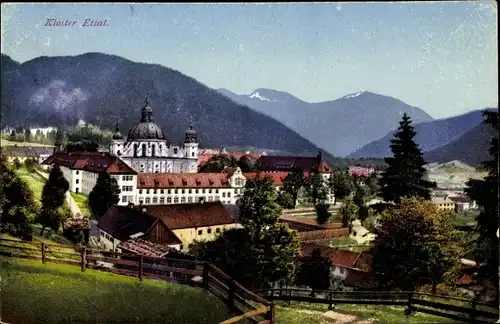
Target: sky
{"x":439,"y":56}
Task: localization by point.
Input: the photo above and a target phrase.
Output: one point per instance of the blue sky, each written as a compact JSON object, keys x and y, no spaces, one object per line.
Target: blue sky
{"x":441,"y":57}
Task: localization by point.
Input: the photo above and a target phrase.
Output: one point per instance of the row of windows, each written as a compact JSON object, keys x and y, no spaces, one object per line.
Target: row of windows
{"x":209,"y":231}
{"x":127,"y":188}
{"x":175,"y":200}
{"x":126,"y":199}
{"x":107,"y":236}
{"x":176,"y":191}
{"x":127,"y":178}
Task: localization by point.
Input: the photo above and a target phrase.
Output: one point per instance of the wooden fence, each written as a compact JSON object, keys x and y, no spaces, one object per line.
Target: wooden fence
{"x":249,"y":306}
{"x":459,"y":309}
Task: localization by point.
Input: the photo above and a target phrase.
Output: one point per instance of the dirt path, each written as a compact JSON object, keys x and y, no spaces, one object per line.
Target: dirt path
{"x":337,"y":318}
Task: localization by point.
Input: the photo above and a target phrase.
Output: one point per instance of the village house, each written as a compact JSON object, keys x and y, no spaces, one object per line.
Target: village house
{"x":129,"y":227}
{"x":81,"y":170}
{"x":444,"y":203}
{"x":353,"y":268}
{"x":197,"y":221}
{"x":463,"y":203}
{"x":22,"y":153}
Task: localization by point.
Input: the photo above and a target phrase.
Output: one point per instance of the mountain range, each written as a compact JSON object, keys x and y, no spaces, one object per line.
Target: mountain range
{"x":104,"y":89}
{"x":471,"y":148}
{"x":340,"y":126}
{"x":430,"y":135}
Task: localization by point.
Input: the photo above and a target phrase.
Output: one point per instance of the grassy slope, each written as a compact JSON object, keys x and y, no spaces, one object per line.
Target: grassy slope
{"x":291,"y":314}
{"x":36,"y":293}
{"x":10,"y":143}
{"x":81,"y":202}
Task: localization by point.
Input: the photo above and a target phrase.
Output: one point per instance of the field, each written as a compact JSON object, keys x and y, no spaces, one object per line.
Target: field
{"x":34,"y":182}
{"x":10,"y":143}
{"x":33,"y":292}
{"x":304,"y":313}
{"x":81,"y":202}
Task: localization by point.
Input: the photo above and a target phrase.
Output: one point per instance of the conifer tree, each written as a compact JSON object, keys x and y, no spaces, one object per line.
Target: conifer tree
{"x":404,"y":175}
{"x":485,"y":193}
{"x":53,"y":196}
{"x":105,"y":194}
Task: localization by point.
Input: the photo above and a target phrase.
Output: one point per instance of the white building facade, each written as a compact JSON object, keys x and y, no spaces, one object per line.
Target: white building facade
{"x":147,"y":150}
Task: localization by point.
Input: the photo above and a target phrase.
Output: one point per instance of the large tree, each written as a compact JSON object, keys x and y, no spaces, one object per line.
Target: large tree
{"x":404,"y":175}
{"x":341,"y":184}
{"x":54,"y":190}
{"x":264,"y":252}
{"x":485,"y":193}
{"x":53,"y":196}
{"x":348,"y":211}
{"x":105,"y":194}
{"x":316,"y":188}
{"x":292,"y":184}
{"x":416,"y":245}
{"x":314,"y":272}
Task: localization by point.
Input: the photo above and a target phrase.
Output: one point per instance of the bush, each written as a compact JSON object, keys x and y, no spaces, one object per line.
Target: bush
{"x":322,"y":213}
{"x":370,"y":223}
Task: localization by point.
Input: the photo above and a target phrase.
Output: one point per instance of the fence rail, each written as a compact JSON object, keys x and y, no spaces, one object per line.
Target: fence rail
{"x":246,"y":304}
{"x":460,"y":309}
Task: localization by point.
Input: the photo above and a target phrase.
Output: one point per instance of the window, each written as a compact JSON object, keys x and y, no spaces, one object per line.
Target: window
{"x":169,"y":191}
{"x":228,"y":195}
{"x":192,"y":153}
{"x":162,"y":200}
{"x":162,"y":191}
{"x":209,"y":190}
{"x":223,"y":195}
{"x":77,"y":181}
{"x":209,"y":231}
{"x":148,"y":200}
{"x":147,"y":191}
{"x":77,"y":190}
{"x":182,"y":191}
{"x":190,"y":199}
{"x":124,"y":199}
{"x":153,"y":150}
{"x":141,"y":202}
{"x":196,"y":191}
{"x":181,"y":247}
{"x":140,"y":191}
{"x":136,"y":149}
{"x":216,"y":190}
{"x":77,"y":172}
{"x":175,"y":191}
{"x":169,"y":200}
{"x":176,"y":200}
{"x":203,"y":190}
{"x":217,"y":230}
{"x":144,"y":150}
{"x":189,"y":190}
{"x":183,"y":199}
{"x":175,"y":150}
{"x":200,"y":232}
{"x":154,"y":191}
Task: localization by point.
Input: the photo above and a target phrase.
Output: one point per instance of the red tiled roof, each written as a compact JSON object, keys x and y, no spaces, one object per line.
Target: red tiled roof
{"x":90,"y":161}
{"x":339,"y":258}
{"x":318,"y":235}
{"x":181,"y":216}
{"x":180,"y":180}
{"x":288,"y":163}
{"x":146,"y":248}
{"x":308,"y":221}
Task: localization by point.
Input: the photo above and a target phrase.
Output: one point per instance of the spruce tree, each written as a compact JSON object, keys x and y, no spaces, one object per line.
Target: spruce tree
{"x":485,"y":193}
{"x":53,"y":195}
{"x":404,"y":175}
{"x":105,"y":194}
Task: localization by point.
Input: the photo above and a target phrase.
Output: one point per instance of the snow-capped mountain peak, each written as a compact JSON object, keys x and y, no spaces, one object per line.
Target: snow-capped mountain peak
{"x":354,"y":95}
{"x":257,"y":95}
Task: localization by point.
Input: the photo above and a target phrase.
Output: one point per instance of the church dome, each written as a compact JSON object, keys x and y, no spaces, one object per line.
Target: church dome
{"x":146,"y":129}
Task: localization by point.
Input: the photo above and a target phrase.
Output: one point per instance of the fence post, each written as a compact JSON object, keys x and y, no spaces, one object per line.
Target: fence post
{"x":84,"y":258}
{"x":231,"y":293}
{"x":473,"y":310}
{"x":409,"y":309}
{"x":141,"y":266}
{"x":330,"y":298}
{"x":205,"y":275}
{"x":43,"y":252}
{"x":271,"y":314}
